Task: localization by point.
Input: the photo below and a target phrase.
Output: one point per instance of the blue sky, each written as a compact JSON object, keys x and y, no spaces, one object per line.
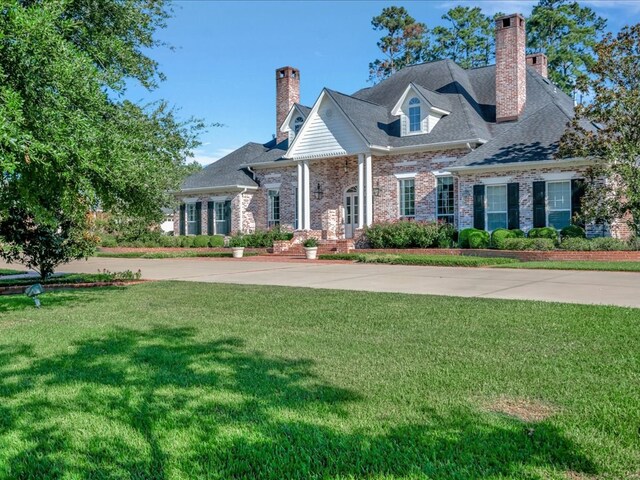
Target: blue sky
{"x":222,"y":67}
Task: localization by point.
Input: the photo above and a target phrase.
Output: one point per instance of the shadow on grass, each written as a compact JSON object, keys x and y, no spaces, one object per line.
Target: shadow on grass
{"x":61,"y":296}
{"x":162,"y":404}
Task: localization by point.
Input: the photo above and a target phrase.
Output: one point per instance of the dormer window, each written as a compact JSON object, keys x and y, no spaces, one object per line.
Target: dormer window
{"x":297,"y":124}
{"x":414,"y":115}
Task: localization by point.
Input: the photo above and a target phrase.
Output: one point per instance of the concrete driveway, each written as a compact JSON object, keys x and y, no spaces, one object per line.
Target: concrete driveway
{"x":609,"y":288}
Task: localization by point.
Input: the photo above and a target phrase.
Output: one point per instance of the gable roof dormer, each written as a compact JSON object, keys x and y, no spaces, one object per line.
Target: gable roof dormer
{"x":327,"y":132}
{"x":420,"y":109}
{"x":292,"y":123}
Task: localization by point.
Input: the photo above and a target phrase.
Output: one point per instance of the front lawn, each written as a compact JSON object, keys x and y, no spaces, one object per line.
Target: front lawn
{"x":8,"y":271}
{"x":419,"y":259}
{"x":171,"y":380}
{"x":621,"y":266}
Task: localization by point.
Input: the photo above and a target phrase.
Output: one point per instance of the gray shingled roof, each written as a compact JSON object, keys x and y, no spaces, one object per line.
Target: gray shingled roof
{"x":227,"y":170}
{"x":468,"y":94}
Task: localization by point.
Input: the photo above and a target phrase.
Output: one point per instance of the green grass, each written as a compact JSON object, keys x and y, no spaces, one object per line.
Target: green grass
{"x":7,"y":271}
{"x":419,"y":259}
{"x":622,"y":266}
{"x":182,"y":254}
{"x":171,"y":380}
{"x":64,"y":278}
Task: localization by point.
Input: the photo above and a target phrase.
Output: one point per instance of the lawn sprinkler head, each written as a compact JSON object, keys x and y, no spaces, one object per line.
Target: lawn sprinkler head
{"x":33,"y":291}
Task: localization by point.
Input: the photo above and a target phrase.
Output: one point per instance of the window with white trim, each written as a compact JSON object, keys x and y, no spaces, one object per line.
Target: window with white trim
{"x":297,"y":124}
{"x":559,"y":204}
{"x":496,"y":206}
{"x":445,"y":200}
{"x":407,"y":198}
{"x":192,"y":221}
{"x":273,"y":207}
{"x":414,"y":115}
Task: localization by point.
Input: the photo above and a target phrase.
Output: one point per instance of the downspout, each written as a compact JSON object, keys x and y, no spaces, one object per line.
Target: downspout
{"x":253,"y":174}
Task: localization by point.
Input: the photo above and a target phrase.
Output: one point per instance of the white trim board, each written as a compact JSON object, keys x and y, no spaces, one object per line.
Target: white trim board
{"x":403,"y":176}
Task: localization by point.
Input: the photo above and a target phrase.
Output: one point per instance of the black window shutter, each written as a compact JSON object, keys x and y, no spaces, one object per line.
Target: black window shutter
{"x":478,"y":207}
{"x":513,"y":205}
{"x":577,"y":192}
{"x":209,"y":218}
{"x":181,"y":219}
{"x":227,"y":216}
{"x":539,"y":213}
{"x":198,"y":218}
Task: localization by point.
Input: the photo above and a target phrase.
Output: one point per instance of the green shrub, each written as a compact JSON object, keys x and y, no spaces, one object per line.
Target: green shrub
{"x":406,"y":234}
{"x":463,"y":237}
{"x":499,"y":235}
{"x":310,"y":243}
{"x":200,"y":241}
{"x":575,"y":244}
{"x":447,"y":234}
{"x":544,"y":232}
{"x":265,"y":238}
{"x":573,"y":231}
{"x":170,"y":241}
{"x":108,"y":241}
{"x":609,"y":244}
{"x":216,"y":241}
{"x":518,"y":233}
{"x":186,"y":241}
{"x":238,"y":241}
{"x":529,"y":244}
{"x":479,"y":239}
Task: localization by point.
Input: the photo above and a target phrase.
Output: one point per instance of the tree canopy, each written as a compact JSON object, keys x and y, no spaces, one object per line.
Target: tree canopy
{"x":562,"y":29}
{"x":69,"y":140}
{"x":607,"y":128}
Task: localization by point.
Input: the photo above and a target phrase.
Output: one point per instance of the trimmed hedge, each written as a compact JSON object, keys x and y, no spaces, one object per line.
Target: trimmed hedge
{"x":529,"y":244}
{"x":166,"y":241}
{"x":573,"y":231}
{"x":404,"y":234}
{"x":543,"y":232}
{"x":479,"y":239}
{"x":595,"y":244}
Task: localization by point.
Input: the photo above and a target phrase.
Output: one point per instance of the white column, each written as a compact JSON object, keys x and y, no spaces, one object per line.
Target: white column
{"x":299,"y":201}
{"x":306,"y":195}
{"x":369,"y":181}
{"x":360,"y":190}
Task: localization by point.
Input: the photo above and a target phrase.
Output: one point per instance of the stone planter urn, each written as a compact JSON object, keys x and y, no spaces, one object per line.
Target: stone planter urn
{"x":238,"y":252}
{"x":311,"y":252}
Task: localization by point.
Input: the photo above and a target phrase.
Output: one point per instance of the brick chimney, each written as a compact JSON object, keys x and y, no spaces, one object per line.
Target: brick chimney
{"x":287,"y":93}
{"x":539,"y":62}
{"x":511,"y":70}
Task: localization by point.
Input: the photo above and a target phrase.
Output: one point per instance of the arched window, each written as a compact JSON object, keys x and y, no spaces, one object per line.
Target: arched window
{"x":414,"y":115}
{"x":297,"y":124}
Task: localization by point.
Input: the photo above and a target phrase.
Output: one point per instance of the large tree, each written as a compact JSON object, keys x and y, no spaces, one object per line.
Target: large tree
{"x":402,"y":44}
{"x":566,"y":32}
{"x":607,"y":129}
{"x":467,"y":38}
{"x":69,"y":141}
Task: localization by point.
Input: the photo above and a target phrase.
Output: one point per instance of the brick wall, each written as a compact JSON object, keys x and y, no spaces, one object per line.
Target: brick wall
{"x":538,"y":61}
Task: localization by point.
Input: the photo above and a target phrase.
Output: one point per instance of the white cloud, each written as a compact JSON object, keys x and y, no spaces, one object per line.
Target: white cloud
{"x":205,"y":158}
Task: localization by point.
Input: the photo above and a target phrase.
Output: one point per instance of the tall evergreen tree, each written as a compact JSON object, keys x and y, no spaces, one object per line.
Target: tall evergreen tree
{"x":401,"y":45}
{"x":566,"y":32}
{"x":467,"y":39}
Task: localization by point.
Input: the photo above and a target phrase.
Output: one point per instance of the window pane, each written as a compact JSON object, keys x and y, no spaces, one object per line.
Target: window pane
{"x":496,"y":220}
{"x":559,"y":219}
{"x":445,"y":198}
{"x":274,"y":208}
{"x":414,"y":119}
{"x":496,"y":198}
{"x":559,"y":195}
{"x":407,"y":198}
{"x":219,"y":211}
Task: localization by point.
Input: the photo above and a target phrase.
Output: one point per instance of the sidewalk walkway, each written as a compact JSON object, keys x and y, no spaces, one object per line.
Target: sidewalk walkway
{"x":610,"y":288}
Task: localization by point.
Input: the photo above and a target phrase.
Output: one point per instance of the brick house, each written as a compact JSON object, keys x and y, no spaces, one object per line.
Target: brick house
{"x":433,"y":142}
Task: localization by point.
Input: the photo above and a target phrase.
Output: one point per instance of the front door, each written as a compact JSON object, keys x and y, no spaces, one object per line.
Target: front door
{"x":350,"y":212}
